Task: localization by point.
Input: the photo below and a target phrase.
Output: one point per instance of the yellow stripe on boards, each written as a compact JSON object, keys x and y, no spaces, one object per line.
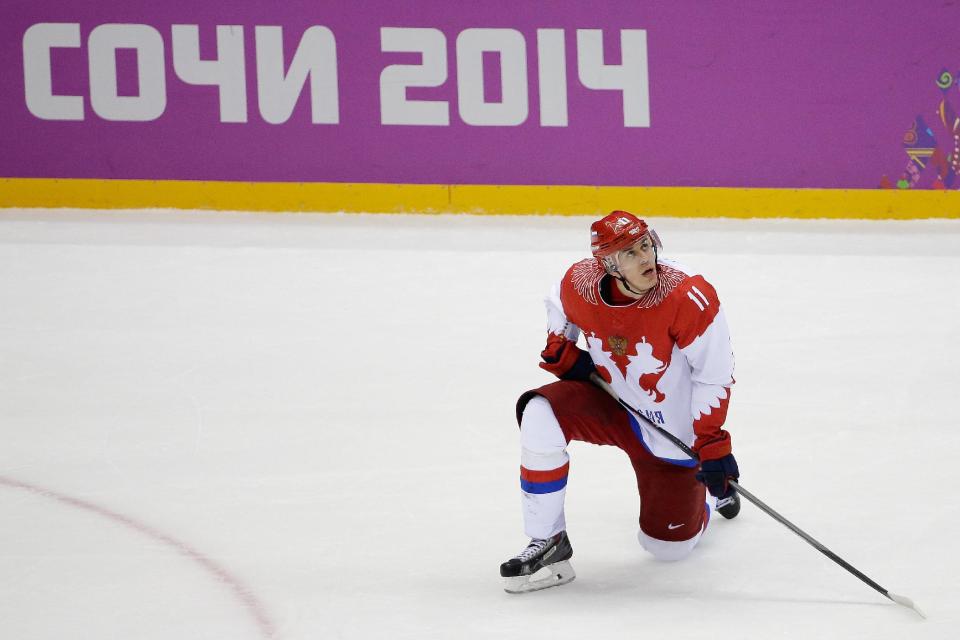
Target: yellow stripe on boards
{"x":228,"y":196}
{"x":479,"y":199}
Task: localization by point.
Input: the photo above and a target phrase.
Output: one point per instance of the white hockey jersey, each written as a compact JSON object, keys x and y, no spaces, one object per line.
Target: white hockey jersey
{"x":667,"y":354}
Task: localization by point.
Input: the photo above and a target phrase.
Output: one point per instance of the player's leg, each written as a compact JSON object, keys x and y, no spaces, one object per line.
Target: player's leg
{"x":544,"y":464}
{"x":550,"y":417}
{"x":674,"y":507}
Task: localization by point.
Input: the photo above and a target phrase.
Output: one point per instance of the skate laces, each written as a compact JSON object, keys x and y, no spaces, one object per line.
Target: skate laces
{"x":535,"y":547}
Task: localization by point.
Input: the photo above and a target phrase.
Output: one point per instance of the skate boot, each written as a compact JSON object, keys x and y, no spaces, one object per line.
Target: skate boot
{"x":543,"y":564}
{"x":729,"y":507}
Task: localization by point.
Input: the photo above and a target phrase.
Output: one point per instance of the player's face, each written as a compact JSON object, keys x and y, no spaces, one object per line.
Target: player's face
{"x":638,"y":264}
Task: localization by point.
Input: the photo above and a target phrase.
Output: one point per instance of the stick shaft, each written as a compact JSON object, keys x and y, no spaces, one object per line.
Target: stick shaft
{"x":807,"y":537}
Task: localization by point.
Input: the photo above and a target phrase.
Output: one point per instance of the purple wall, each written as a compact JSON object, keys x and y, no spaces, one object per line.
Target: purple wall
{"x":751,"y":94}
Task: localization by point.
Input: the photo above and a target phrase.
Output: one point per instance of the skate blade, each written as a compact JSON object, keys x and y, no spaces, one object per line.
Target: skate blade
{"x":552,"y":575}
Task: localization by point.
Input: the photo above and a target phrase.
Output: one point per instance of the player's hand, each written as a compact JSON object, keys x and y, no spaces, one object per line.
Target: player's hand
{"x":566,"y":360}
{"x":716,"y":473}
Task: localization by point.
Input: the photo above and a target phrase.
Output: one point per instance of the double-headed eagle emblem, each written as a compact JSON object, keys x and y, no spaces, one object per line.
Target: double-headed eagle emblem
{"x":618,"y":345}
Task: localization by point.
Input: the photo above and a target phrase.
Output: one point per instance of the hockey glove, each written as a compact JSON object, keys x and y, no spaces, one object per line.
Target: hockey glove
{"x":716,"y":473}
{"x":566,"y":360}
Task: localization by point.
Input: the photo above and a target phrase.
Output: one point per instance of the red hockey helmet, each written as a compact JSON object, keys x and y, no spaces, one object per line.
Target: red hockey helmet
{"x":617,"y":231}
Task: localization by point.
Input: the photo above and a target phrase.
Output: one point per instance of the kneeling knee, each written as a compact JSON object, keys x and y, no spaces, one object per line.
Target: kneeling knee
{"x":667,"y":550}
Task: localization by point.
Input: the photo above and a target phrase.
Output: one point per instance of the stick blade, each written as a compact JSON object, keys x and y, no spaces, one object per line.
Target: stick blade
{"x":906,"y":602}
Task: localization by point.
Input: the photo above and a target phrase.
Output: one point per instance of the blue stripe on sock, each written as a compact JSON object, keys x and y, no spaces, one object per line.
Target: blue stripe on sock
{"x":543,"y":487}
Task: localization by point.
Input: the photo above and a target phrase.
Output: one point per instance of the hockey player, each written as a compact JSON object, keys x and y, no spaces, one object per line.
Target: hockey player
{"x":656,"y":333}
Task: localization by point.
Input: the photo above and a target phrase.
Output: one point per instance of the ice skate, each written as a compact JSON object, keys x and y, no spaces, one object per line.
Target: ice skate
{"x":543,"y":564}
{"x":729,"y":507}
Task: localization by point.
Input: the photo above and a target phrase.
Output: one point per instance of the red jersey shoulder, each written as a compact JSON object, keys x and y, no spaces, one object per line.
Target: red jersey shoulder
{"x":696,"y":305}
{"x":697,"y":291}
{"x":581,"y":283}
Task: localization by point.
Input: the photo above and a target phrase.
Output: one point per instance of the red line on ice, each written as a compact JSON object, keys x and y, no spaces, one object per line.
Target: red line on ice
{"x":240,"y":590}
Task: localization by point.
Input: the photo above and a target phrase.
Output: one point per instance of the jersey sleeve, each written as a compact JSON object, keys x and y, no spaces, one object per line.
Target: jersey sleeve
{"x":700,"y":328}
{"x":557,"y":321}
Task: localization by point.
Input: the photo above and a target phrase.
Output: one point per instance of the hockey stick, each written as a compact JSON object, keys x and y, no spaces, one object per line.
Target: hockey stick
{"x":901,"y":600}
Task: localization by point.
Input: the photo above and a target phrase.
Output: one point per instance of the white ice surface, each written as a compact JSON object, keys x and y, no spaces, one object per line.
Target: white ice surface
{"x":302,"y":426}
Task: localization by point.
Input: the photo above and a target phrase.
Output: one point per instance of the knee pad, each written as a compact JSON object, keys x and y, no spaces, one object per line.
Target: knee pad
{"x":667,"y":550}
{"x":543,"y":445}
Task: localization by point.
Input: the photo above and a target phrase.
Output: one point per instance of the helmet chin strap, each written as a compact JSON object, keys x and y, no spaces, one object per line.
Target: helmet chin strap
{"x":626,"y":285}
